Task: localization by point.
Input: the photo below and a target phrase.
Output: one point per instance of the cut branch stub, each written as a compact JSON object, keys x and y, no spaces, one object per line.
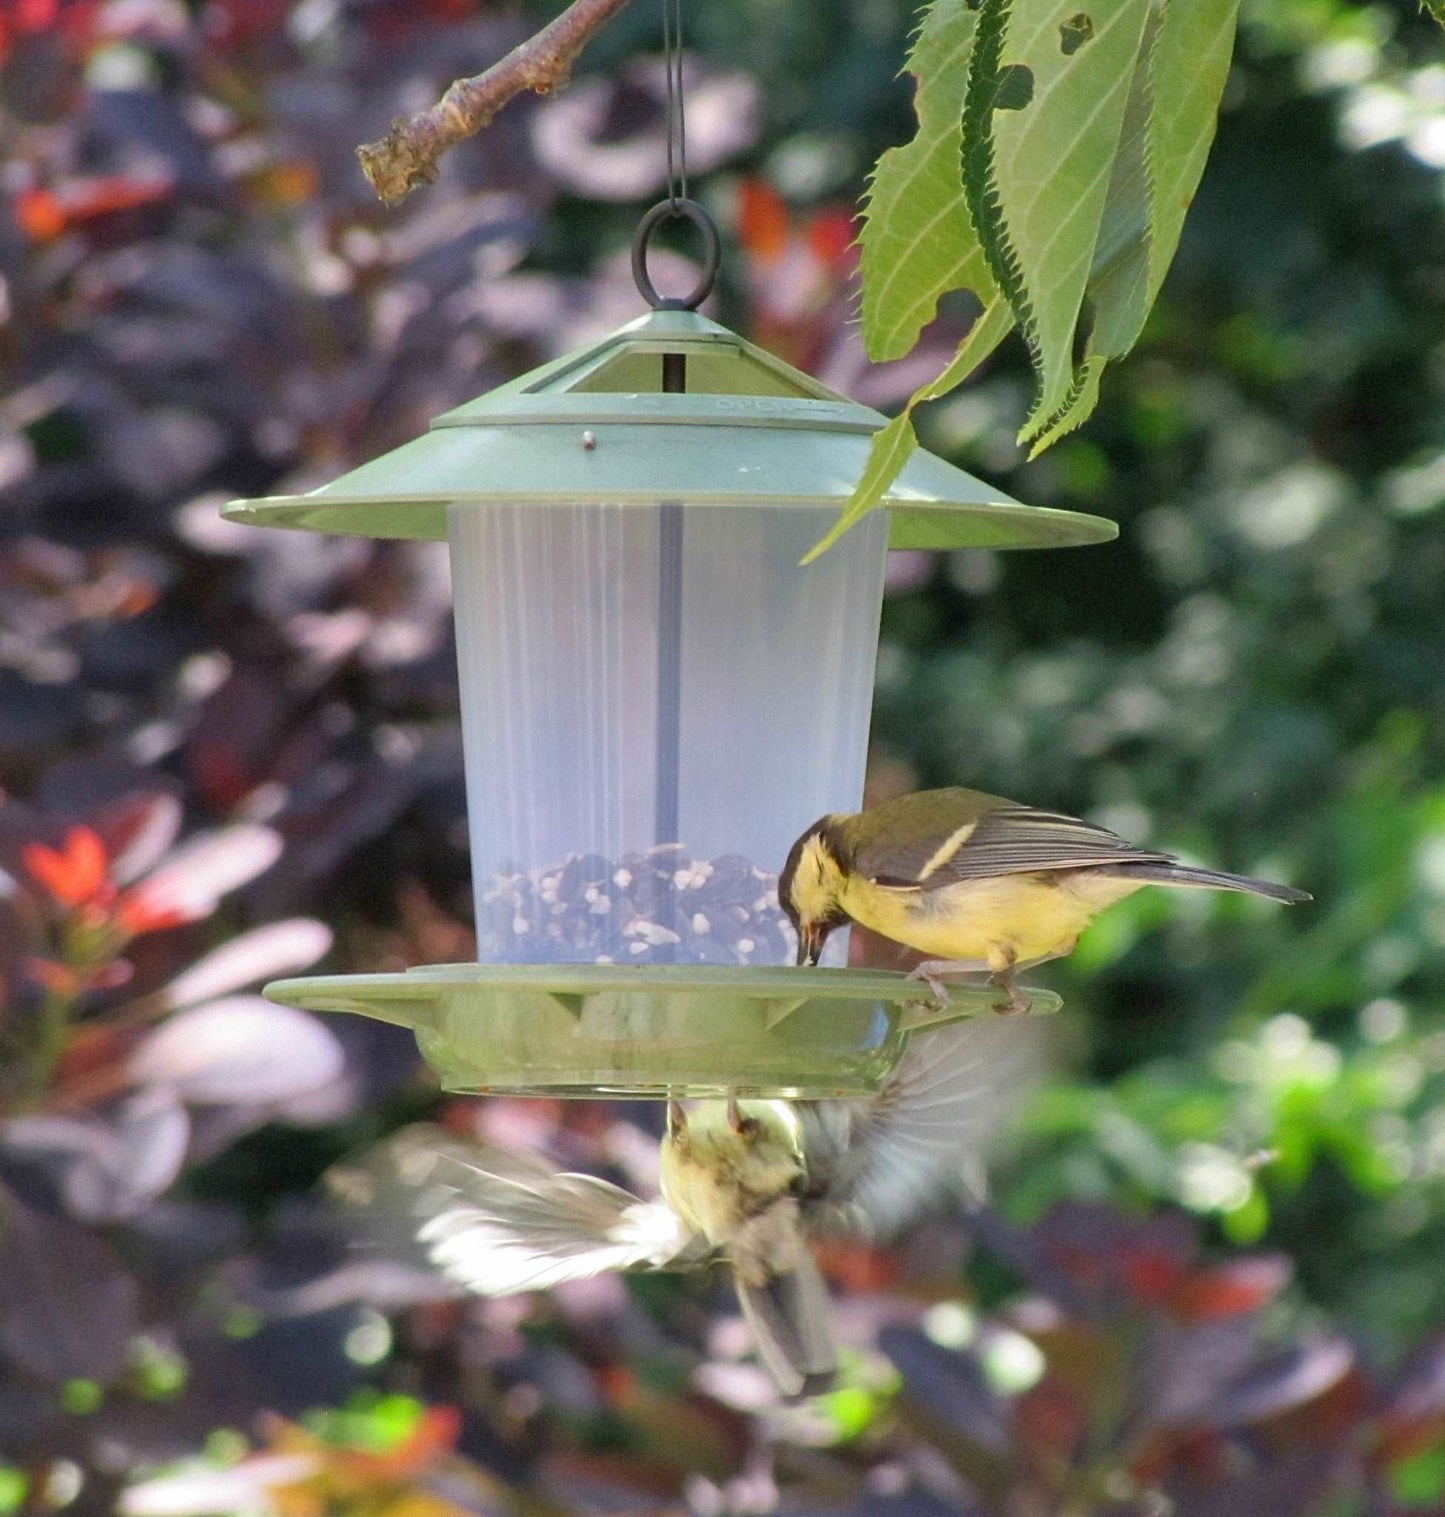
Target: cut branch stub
{"x":407,"y":156}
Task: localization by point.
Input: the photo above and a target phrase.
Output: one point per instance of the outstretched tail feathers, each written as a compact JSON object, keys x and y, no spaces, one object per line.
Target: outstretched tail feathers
{"x":789,"y":1315}
{"x":1209,"y":879}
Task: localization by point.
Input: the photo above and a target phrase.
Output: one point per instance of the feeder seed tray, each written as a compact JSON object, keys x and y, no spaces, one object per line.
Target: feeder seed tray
{"x":663,"y":1030}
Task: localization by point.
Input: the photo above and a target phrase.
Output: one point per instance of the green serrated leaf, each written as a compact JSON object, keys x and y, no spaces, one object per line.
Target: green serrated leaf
{"x":1191,"y":64}
{"x":918,"y":241}
{"x":1084,"y":132}
{"x":1117,"y":296}
{"x":1169,"y":124}
{"x":894,"y":444}
{"x":1051,"y":162}
{"x":979,"y":104}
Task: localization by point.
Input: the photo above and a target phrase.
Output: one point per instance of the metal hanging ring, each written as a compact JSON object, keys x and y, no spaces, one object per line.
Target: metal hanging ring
{"x":691,"y":211}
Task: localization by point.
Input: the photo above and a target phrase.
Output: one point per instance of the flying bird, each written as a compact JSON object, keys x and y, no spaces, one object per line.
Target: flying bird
{"x":744,"y":1182}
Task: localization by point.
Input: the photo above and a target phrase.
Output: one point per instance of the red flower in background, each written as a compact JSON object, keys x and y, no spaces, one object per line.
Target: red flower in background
{"x":799,"y":271}
{"x":87,"y":889}
{"x":122,"y":878}
{"x":74,"y":874}
{"x":44,"y":214}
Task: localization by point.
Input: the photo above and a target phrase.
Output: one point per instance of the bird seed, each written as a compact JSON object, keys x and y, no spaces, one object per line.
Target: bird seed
{"x":661,"y":906}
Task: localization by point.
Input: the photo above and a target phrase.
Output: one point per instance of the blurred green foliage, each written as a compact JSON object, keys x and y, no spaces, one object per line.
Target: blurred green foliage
{"x":1252,"y":675}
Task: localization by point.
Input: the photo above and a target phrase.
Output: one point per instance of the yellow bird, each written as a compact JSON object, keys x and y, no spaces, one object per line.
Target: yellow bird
{"x":743,"y":1182}
{"x":976,"y":881}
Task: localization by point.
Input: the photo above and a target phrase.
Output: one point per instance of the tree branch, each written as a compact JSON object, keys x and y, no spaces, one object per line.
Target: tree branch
{"x":407,"y":155}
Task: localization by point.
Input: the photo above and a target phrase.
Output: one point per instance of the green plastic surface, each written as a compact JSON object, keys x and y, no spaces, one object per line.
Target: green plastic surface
{"x":593,"y":427}
{"x":604,"y":1030}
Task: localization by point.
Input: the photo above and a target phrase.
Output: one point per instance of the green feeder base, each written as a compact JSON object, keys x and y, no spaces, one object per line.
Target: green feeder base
{"x":671,"y":1030}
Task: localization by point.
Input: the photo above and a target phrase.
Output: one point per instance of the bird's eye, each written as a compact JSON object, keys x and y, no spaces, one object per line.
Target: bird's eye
{"x":749,"y":1127}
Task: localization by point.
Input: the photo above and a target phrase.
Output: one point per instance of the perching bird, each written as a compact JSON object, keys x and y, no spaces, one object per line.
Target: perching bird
{"x":976,"y":881}
{"x":743,"y":1181}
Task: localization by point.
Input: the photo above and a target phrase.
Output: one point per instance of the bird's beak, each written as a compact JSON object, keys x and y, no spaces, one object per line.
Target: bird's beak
{"x":811,"y":937}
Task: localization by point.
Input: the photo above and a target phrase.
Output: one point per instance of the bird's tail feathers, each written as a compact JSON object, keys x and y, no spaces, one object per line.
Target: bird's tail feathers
{"x":790,"y":1315}
{"x":1209,"y":879}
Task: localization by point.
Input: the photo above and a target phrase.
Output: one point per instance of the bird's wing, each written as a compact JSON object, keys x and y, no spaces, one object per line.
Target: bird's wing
{"x":875,"y":1165}
{"x":498,"y":1222}
{"x":1008,"y":839}
{"x":898,"y":842}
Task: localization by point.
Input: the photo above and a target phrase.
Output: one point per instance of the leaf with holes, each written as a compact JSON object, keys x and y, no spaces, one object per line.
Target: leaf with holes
{"x":1083,"y":134}
{"x":918,"y":241}
{"x":1118,"y":295}
{"x":1042,"y":127}
{"x":1168,"y":128}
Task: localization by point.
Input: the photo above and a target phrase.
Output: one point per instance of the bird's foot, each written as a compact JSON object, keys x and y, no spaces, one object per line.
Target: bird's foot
{"x":735,"y":1115}
{"x":937,"y":997}
{"x":932,"y":972}
{"x":1018,"y":1000}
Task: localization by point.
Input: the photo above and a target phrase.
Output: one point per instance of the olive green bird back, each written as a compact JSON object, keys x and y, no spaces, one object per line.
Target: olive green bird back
{"x":936,"y":838}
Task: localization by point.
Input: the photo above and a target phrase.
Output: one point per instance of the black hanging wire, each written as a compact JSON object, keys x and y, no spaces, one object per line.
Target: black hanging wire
{"x":676,"y":104}
{"x":678,"y":203}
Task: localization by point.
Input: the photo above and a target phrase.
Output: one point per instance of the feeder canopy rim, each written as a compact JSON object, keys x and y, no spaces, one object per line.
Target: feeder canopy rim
{"x":916,"y":521}
{"x":595,"y":427}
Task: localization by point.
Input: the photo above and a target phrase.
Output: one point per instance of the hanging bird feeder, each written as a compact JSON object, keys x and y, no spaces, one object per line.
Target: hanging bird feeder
{"x":656,"y":700}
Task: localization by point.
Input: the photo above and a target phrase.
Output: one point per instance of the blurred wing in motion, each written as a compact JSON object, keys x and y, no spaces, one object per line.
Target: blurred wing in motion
{"x":497,"y":1222}
{"x":875,"y":1165}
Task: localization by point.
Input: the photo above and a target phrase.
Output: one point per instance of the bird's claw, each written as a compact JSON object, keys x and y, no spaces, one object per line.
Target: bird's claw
{"x":932,"y":971}
{"x":1018,"y":1000}
{"x":938,"y":992}
{"x":938,"y":987}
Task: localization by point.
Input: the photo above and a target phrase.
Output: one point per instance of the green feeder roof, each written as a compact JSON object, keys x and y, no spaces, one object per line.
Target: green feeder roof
{"x":595,"y":426}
